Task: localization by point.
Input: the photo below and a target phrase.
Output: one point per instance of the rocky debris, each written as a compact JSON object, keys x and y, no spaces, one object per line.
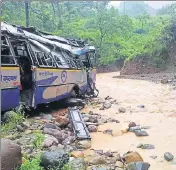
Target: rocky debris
{"x":138,"y":166}
{"x":132,"y":157}
{"x":132,"y":124}
{"x":153,"y":156}
{"x":168,"y":156}
{"x":25,"y":124}
{"x":148,"y":146}
{"x":108,"y":131}
{"x":133,"y":129}
{"x":125,"y":128}
{"x":122,"y":110}
{"x":140,"y":133}
{"x":145,"y":127}
{"x":54,"y":132}
{"x":92,"y":128}
{"x":100,"y":152}
{"x":108,"y":154}
{"x":141,"y":106}
{"x":20,"y":128}
{"x":106,"y":106}
{"x":46,"y":116}
{"x":63,"y":121}
{"x":108,"y":98}
{"x":96,"y":160}
{"x":119,"y":164}
{"x":54,"y":159}
{"x":11,"y":155}
{"x":51,"y":125}
{"x":77,"y":164}
{"x":77,"y":154}
{"x":49,"y":141}
{"x":140,"y":145}
{"x":84,"y":144}
{"x":164,"y":80}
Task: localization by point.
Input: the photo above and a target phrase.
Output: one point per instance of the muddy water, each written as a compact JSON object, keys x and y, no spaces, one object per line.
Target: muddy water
{"x":159,"y":113}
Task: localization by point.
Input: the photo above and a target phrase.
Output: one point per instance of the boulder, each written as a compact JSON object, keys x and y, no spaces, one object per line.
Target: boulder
{"x":138,"y":166}
{"x":140,"y":133}
{"x":54,"y":159}
{"x":92,"y":128}
{"x":168,"y":156}
{"x":63,"y":121}
{"x":132,"y":157}
{"x":96,"y":160}
{"x":77,"y":164}
{"x":84,"y":144}
{"x":49,"y":141}
{"x":122,"y":110}
{"x":77,"y":154}
{"x":11,"y":155}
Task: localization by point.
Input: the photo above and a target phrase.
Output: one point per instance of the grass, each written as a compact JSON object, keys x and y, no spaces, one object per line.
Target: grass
{"x":34,"y":164}
{"x":39,"y":138}
{"x":14,"y":120}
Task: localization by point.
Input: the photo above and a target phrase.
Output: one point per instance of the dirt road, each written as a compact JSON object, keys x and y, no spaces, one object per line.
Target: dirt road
{"x":159,"y":113}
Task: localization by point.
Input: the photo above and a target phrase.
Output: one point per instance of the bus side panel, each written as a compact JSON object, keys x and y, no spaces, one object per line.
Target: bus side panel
{"x":77,"y":77}
{"x":9,"y":99}
{"x":10,"y":92}
{"x":49,"y":86}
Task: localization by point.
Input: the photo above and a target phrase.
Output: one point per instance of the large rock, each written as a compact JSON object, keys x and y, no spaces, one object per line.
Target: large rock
{"x":132,"y":157}
{"x":77,"y":164}
{"x":140,"y":133}
{"x":92,"y":128}
{"x":138,"y":166}
{"x":63,"y":121}
{"x":11,"y":156}
{"x":54,"y":159}
{"x":168,"y":156}
{"x":77,"y":154}
{"x":49,"y":141}
{"x":96,"y":160}
{"x":54,"y":132}
{"x":84,"y":144}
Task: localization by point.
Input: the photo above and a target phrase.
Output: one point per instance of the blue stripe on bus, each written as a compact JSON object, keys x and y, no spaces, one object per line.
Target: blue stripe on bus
{"x":39,"y":95}
{"x":9,"y":98}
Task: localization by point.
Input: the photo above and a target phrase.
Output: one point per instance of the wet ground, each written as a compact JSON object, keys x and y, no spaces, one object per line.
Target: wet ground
{"x":159,"y":113}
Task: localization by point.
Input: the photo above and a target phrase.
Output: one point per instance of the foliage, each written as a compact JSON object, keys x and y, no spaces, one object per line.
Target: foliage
{"x":14,"y":120}
{"x":31,"y":164}
{"x":114,"y":35}
{"x":39,"y":138}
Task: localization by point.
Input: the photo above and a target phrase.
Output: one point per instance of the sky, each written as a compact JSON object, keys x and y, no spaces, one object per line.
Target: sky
{"x":154,"y":4}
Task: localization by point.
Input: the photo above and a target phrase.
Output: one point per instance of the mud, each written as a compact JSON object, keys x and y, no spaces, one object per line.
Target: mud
{"x":159,"y":113}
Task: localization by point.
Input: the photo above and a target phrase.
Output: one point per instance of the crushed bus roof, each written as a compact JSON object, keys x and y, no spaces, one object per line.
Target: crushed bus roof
{"x":77,"y":47}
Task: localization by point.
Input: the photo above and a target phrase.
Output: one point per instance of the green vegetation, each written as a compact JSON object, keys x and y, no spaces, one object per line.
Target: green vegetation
{"x":31,"y":164}
{"x":34,"y":164}
{"x":138,"y":33}
{"x":13,"y":121}
{"x":39,"y":138}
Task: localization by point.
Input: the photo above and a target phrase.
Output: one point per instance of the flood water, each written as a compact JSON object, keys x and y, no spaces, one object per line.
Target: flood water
{"x":159,"y":113}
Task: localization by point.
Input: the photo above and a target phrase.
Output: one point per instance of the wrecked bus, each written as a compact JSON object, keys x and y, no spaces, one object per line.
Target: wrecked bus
{"x":37,"y":68}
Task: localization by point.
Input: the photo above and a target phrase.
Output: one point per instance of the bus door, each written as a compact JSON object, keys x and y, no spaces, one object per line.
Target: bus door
{"x":25,"y":61}
{"x":10,"y":77}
